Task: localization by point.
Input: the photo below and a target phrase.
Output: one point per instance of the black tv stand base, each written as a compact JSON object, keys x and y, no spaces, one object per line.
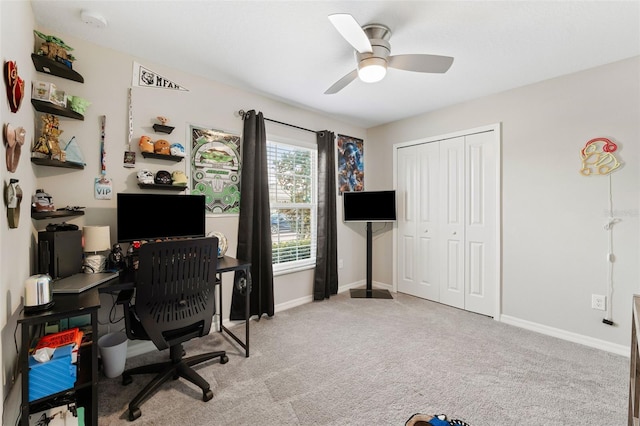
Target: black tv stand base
{"x":364,"y":293}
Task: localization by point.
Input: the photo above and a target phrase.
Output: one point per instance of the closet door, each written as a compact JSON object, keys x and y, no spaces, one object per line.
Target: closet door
{"x":418,"y":193}
{"x":481,"y":253}
{"x":452,"y":222}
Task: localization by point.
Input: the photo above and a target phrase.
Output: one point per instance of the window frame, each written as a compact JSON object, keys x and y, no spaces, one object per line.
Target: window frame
{"x":305,"y":264}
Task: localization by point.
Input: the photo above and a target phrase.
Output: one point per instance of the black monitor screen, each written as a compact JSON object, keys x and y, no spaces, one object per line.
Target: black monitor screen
{"x":369,"y":206}
{"x":160,"y":216}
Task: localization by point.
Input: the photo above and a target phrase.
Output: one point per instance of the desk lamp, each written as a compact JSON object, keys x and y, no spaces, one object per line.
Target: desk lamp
{"x":97,"y":241}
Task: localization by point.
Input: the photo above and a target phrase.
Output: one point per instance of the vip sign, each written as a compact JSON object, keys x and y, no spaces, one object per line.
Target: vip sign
{"x":103,"y":188}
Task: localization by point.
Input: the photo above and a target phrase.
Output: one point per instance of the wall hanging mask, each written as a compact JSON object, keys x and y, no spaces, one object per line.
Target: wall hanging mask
{"x":15,"y":85}
{"x":13,"y":139}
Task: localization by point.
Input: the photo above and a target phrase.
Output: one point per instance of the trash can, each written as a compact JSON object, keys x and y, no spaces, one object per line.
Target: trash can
{"x":113,"y":352}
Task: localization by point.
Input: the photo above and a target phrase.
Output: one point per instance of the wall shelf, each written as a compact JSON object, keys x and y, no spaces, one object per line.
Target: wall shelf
{"x":56,"y":214}
{"x":49,"y":108}
{"x":49,"y":66}
{"x":175,"y":158}
{"x":161,"y":186}
{"x":55,"y":163}
{"x":161,"y":128}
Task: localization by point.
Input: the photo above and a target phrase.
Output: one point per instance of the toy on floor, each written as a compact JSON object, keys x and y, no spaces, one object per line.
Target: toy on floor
{"x":437,"y":420}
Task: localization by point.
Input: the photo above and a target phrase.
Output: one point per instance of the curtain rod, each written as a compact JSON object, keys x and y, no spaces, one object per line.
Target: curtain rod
{"x":242,"y":113}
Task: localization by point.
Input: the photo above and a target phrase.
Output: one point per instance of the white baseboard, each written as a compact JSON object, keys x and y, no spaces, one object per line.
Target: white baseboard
{"x":567,"y":335}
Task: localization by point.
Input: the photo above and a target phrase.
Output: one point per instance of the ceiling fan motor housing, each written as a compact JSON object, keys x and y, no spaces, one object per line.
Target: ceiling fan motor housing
{"x":380,"y":48}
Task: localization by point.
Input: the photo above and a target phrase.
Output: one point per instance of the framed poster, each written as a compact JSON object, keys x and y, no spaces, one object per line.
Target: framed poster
{"x":215,"y":169}
{"x":350,"y":164}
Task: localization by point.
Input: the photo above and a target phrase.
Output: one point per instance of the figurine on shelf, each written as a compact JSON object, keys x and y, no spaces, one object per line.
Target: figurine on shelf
{"x":42,"y":202}
{"x":48,"y":145}
{"x":56,"y":49}
{"x":78,"y":104}
{"x":145,"y":144}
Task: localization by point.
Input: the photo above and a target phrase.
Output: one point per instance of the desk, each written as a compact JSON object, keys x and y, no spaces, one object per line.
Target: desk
{"x":225,"y":264}
{"x":230,"y":264}
{"x":85,"y":390}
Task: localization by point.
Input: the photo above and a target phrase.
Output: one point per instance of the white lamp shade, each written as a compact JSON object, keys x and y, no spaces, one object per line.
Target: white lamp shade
{"x":96,"y":238}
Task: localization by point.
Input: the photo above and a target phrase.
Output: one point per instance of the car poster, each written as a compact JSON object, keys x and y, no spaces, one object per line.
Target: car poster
{"x":215,"y":169}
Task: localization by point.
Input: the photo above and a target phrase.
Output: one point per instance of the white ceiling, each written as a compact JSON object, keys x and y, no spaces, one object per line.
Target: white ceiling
{"x":289,"y":51}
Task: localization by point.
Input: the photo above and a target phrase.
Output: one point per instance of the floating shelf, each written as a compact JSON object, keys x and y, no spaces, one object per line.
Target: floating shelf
{"x":161,"y":186}
{"x":161,"y":128}
{"x":49,"y":108}
{"x":55,"y":214}
{"x":175,"y":158}
{"x":49,"y":66}
{"x":55,"y":163}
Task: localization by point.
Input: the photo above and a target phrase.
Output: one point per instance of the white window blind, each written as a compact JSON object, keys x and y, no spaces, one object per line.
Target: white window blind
{"x":292,"y":173}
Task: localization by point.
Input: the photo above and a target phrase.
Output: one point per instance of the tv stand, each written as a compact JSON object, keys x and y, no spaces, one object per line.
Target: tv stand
{"x":369,"y":292}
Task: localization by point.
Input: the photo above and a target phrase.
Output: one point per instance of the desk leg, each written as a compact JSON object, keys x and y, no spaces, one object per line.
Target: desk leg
{"x":245,"y":344}
{"x":247,"y":310}
{"x":220,"y":302}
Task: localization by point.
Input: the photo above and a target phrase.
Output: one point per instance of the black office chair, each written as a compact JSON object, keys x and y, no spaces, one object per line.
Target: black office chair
{"x":174,"y":302}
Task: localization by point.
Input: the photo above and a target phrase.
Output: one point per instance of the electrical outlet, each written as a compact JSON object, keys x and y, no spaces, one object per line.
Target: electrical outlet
{"x":340,"y":263}
{"x":599,"y":302}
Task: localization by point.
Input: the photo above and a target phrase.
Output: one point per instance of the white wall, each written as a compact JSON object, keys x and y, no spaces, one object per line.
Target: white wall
{"x":16,"y":245}
{"x":553,"y":241}
{"x":108,"y":76}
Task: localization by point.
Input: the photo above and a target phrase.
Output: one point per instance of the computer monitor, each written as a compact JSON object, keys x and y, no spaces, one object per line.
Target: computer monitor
{"x":159,"y":216}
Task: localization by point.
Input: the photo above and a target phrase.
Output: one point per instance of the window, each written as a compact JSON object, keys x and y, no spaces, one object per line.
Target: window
{"x":292,"y":195}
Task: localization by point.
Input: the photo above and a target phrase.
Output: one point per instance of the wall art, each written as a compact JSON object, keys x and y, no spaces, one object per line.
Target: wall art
{"x":598,"y":157}
{"x":144,"y":77}
{"x":350,"y":164}
{"x":216,"y":164}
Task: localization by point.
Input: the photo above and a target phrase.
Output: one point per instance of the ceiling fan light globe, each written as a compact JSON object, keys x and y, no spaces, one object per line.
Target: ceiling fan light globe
{"x":372,"y":70}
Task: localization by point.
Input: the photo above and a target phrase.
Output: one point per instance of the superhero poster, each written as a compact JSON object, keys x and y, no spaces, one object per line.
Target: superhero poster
{"x":350,"y":164}
{"x":215,"y":169}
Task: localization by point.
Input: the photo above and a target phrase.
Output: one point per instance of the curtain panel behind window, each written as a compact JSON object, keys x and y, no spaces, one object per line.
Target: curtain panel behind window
{"x":254,"y":231}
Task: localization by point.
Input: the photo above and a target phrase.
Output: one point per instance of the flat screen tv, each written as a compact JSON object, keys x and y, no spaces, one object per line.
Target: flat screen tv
{"x":159,"y":216}
{"x":369,"y":206}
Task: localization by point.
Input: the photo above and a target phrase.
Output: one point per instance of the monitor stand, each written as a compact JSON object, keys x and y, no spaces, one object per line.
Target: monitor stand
{"x":369,"y":292}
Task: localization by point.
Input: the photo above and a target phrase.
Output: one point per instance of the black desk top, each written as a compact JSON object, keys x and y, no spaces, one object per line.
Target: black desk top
{"x":64,"y":306}
{"x":229,"y":264}
{"x":127,"y":279}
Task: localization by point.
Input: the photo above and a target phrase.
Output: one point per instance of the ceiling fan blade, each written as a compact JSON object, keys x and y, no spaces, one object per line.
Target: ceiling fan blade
{"x":349,"y":28}
{"x":421,"y":63}
{"x":342,"y":83}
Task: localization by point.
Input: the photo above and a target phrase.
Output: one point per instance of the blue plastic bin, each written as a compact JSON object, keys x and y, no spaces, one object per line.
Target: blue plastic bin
{"x":56,"y":375}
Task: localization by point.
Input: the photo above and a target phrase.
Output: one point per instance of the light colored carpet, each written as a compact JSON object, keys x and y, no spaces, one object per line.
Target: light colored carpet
{"x":350,"y":361}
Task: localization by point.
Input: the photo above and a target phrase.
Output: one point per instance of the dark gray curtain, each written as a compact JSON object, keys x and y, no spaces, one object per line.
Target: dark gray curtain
{"x":325,"y":282}
{"x":254,"y":231}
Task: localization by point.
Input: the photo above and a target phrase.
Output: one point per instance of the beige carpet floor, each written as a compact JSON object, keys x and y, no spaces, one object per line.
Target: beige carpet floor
{"x":350,"y":361}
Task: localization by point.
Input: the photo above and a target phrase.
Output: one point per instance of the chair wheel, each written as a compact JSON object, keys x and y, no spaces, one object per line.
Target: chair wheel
{"x":126,"y":379}
{"x":224,"y":359}
{"x":207,"y":395}
{"x":134,"y":413}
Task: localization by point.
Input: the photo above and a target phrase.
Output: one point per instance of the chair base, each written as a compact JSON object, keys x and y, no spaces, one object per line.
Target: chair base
{"x":173,"y":369}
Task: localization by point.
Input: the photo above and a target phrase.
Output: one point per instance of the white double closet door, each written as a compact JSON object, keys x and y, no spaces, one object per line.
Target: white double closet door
{"x":448,"y":229}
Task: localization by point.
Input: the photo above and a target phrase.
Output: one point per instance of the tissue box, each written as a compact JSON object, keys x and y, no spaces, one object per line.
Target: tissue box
{"x":45,"y":91}
{"x":56,"y":375}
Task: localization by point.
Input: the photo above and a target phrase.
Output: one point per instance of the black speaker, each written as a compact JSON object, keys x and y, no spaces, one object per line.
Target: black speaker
{"x":60,"y":253}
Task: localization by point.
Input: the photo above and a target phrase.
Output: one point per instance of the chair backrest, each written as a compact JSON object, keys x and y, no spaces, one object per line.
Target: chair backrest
{"x":175,"y":289}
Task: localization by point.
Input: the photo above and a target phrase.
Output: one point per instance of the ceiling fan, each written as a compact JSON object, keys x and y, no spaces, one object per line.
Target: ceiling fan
{"x":372,"y":54}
